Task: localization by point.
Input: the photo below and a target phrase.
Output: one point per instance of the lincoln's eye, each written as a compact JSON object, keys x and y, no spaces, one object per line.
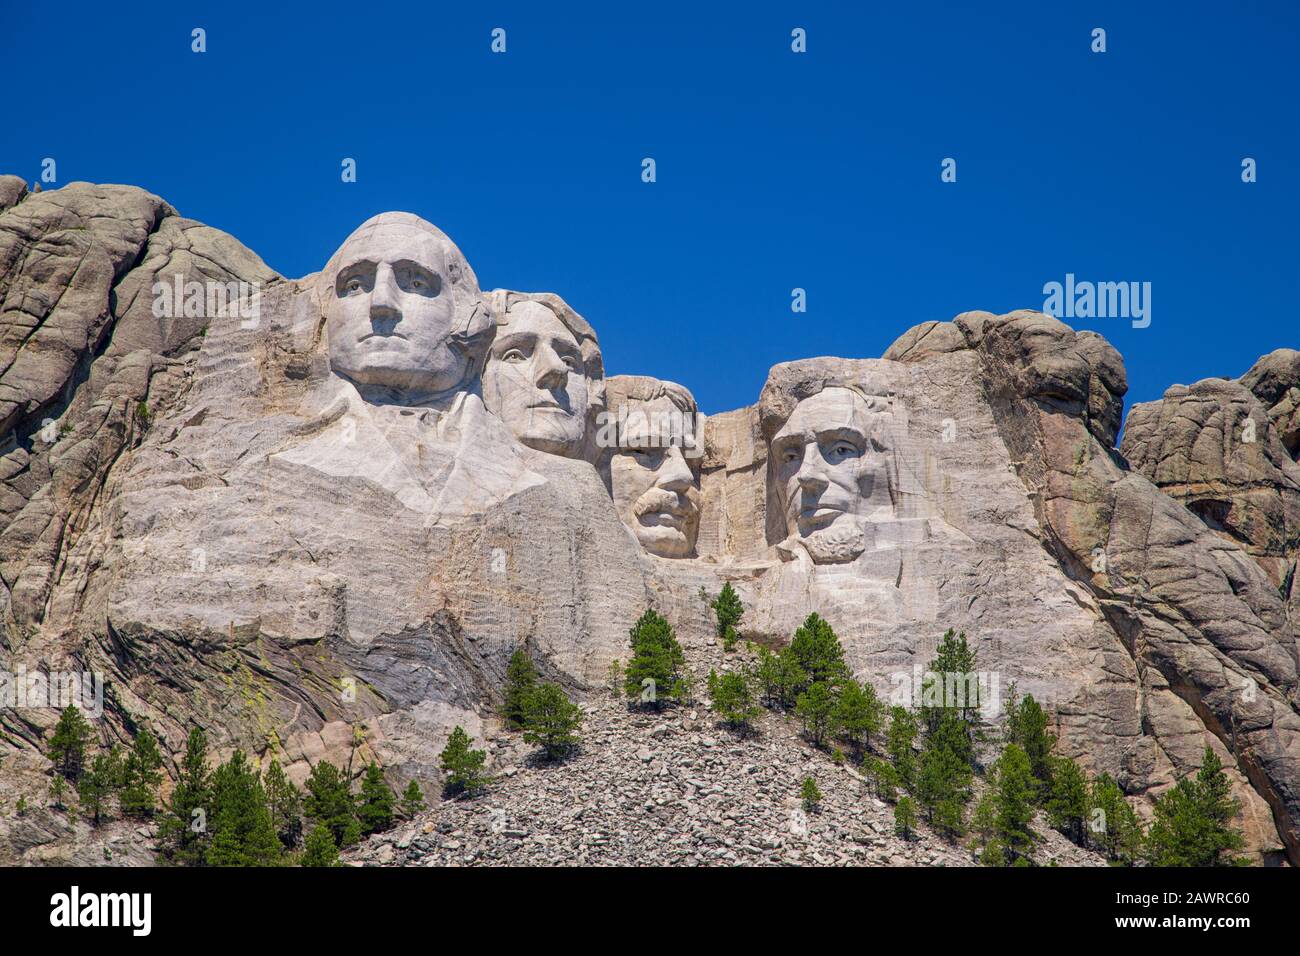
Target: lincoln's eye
{"x":572,"y":362}
{"x":790,"y":455}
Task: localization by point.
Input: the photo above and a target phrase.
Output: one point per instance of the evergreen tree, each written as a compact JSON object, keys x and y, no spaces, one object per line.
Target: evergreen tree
{"x":1014,"y":802}
{"x":242,"y":832}
{"x":733,"y":698}
{"x":98,"y":784}
{"x":780,"y":677}
{"x":1113,"y":826}
{"x":1027,"y":729}
{"x":816,"y":707}
{"x":521,"y":679}
{"x":377,"y":801}
{"x":615,"y":678}
{"x":810,"y":794}
{"x":905,"y":818}
{"x":141,"y":776}
{"x":654,"y":674}
{"x":1192,"y":823}
{"x":728,"y":610}
{"x":58,"y":787}
{"x":858,"y":714}
{"x":553,"y":720}
{"x":184,"y":831}
{"x":67,"y":748}
{"x":983,"y":819}
{"x":412,"y":800}
{"x":954,"y":667}
{"x":943,"y":774}
{"x":321,"y":850}
{"x":898,"y":744}
{"x":329,"y":802}
{"x":284,"y":803}
{"x":463,"y":764}
{"x":818,"y":653}
{"x":881,"y":777}
{"x":1067,"y":800}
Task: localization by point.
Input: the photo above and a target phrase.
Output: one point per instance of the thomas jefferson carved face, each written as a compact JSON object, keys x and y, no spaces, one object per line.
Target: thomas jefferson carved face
{"x":653,"y":477}
{"x":830,"y":462}
{"x":401,"y":308}
{"x":536,"y":381}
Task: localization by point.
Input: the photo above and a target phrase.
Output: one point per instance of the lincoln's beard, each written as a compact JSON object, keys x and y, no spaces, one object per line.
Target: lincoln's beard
{"x":840,"y":541}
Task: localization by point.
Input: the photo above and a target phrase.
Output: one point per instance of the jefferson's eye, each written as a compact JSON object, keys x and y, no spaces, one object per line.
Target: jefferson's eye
{"x":843,"y":449}
{"x":513,"y":356}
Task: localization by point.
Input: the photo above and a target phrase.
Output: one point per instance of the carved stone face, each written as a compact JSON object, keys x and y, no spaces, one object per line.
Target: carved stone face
{"x":535,"y":382}
{"x":390,"y":310}
{"x":655,"y":486}
{"x":832,"y":471}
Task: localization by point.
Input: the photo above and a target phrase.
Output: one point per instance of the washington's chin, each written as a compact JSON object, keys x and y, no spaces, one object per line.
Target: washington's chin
{"x":390,"y":368}
{"x":666,"y":542}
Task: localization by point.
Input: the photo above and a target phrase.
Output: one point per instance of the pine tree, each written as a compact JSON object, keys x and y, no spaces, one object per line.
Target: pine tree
{"x":858,"y":714}
{"x":983,"y":819}
{"x":320,"y":850}
{"x":184,"y":831}
{"x":1192,"y":823}
{"x":943,"y":775}
{"x":1014,"y":802}
{"x":780,"y":677}
{"x":728,"y":610}
{"x":142,"y":774}
{"x":1027,"y":729}
{"x":329,"y":802}
{"x":521,"y":679}
{"x":412,"y":800}
{"x":905,"y":818}
{"x":242,"y":832}
{"x":816,"y":707}
{"x":817,"y":651}
{"x":953,"y":666}
{"x":733,"y":698}
{"x":552,"y":721}
{"x":67,"y":748}
{"x":654,"y":674}
{"x":377,"y":801}
{"x":58,"y":787}
{"x":98,"y":784}
{"x":898,"y":744}
{"x":1113,"y":826}
{"x":284,"y":803}
{"x":1067,"y":800}
{"x":810,"y":794}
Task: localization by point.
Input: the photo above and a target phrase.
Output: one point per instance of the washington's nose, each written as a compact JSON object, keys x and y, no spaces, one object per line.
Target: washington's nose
{"x":384,"y":297}
{"x":552,"y":373}
{"x":675,"y":474}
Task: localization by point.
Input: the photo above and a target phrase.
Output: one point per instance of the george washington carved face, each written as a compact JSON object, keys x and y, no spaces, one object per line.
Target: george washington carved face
{"x":403,"y":311}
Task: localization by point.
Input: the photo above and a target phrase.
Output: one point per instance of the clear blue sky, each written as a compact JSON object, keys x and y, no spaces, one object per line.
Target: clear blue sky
{"x":775,"y":170}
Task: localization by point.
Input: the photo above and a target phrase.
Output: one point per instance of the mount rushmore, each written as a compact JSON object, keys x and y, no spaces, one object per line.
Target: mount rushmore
{"x":340,"y":515}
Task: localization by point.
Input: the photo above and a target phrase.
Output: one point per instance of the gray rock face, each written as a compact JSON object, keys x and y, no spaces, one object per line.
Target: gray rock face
{"x":285,"y":526}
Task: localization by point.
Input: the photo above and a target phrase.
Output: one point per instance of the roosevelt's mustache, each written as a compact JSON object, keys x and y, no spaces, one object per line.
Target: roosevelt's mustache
{"x":657,"y":500}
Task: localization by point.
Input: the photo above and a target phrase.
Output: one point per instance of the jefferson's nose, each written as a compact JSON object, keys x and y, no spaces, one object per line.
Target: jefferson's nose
{"x":550,"y":369}
{"x":674,"y":474}
{"x":384,"y":297}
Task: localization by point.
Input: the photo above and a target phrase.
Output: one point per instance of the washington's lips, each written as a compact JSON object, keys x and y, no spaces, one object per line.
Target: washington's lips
{"x":382,"y":335}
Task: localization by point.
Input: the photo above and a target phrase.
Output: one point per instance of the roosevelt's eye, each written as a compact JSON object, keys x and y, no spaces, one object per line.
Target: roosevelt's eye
{"x":514,"y":356}
{"x":790,"y":455}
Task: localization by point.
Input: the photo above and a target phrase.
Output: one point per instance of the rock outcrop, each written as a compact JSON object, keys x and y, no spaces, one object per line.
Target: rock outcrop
{"x":292,"y":527}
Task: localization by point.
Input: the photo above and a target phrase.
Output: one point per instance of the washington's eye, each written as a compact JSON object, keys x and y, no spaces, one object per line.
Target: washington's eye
{"x":353,"y":286}
{"x":418,"y":283}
